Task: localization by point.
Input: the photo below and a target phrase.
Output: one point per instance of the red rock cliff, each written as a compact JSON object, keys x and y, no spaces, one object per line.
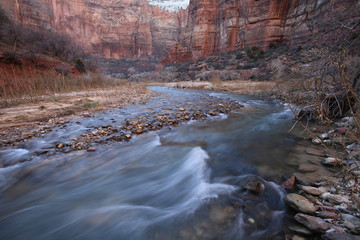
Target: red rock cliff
{"x":215,"y":26}
{"x":113,"y":28}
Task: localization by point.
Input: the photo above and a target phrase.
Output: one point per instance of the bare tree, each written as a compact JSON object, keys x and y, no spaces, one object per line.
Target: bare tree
{"x":334,"y":61}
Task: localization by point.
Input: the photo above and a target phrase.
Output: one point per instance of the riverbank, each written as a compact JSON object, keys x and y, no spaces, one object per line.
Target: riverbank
{"x":322,"y":203}
{"x":312,"y":178}
{"x":25,"y":120}
{"x":39,"y":122}
{"x":328,"y":206}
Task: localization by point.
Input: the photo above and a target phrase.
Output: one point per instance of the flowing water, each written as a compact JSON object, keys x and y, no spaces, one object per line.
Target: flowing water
{"x":202,"y":180}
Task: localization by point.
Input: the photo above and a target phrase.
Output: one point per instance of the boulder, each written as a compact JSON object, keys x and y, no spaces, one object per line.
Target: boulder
{"x":300,"y":203}
{"x":313,"y":223}
{"x":312,"y":190}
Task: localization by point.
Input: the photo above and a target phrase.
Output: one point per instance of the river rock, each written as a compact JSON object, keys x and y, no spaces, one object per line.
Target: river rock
{"x":290,"y":183}
{"x":91,"y":149}
{"x":350,"y":218}
{"x":354,"y":151}
{"x":296,"y":237}
{"x":60,"y":145}
{"x":312,"y":190}
{"x":349,"y":225}
{"x":339,"y":236}
{"x":315,"y":151}
{"x":342,"y":130}
{"x":324,"y":136}
{"x":330,"y":161}
{"x":335,"y":199}
{"x":329,"y":214}
{"x":222,"y":214}
{"x":253,"y":185}
{"x":307,"y":168}
{"x":313,"y":223}
{"x":326,"y":208}
{"x":316,"y":141}
{"x":300,"y":229}
{"x":300,"y":203}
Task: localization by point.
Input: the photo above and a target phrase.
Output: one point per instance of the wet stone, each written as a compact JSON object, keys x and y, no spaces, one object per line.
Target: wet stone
{"x":253,"y":186}
{"x":325,"y":214}
{"x":330,"y":161}
{"x":316,"y":141}
{"x":335,"y":199}
{"x":307,"y":168}
{"x":313,"y":223}
{"x":300,"y":203}
{"x":349,"y":225}
{"x":339,"y":236}
{"x":296,"y":237}
{"x":312,"y":190}
{"x":290,"y":183}
{"x":60,"y":145}
{"x":300,"y":229}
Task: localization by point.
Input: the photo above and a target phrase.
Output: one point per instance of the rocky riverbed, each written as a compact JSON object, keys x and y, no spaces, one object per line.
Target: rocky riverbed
{"x":114,"y":131}
{"x":242,"y":156}
{"x":327,"y":207}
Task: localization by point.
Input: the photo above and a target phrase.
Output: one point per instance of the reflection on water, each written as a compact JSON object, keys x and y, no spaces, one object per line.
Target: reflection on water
{"x":200,"y":181}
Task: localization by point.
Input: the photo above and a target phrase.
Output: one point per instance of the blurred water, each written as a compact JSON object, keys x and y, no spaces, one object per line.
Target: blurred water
{"x":188,"y":183}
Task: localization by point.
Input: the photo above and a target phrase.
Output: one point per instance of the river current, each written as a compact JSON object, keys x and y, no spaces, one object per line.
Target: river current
{"x":214,"y":179}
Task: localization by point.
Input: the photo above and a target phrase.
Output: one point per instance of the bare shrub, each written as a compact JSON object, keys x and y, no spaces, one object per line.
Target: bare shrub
{"x":204,"y":76}
{"x":227,"y":75}
{"x":20,"y":81}
{"x":45,"y":42}
{"x":332,"y":62}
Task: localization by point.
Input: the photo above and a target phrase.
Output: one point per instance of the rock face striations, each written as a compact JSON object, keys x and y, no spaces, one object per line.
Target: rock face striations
{"x":126,"y":29}
{"x":215,"y":26}
{"x":132,"y":29}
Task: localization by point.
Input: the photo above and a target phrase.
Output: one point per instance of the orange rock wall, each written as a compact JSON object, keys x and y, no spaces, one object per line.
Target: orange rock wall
{"x":215,"y":26}
{"x":116,"y":29}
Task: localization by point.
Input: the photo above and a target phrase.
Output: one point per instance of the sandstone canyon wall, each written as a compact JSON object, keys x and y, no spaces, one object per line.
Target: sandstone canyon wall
{"x":132,"y":29}
{"x":124,"y":29}
{"x":215,"y":26}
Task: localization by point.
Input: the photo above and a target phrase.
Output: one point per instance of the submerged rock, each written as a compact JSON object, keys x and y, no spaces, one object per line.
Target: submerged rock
{"x":300,"y":229}
{"x":253,"y":185}
{"x":307,"y":168}
{"x":300,"y":203}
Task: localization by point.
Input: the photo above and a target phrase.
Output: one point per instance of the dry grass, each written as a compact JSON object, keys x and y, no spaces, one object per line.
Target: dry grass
{"x":26,"y":109}
{"x":24,"y":84}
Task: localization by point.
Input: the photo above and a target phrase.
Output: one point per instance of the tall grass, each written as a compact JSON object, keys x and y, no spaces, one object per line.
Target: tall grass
{"x":21,"y":83}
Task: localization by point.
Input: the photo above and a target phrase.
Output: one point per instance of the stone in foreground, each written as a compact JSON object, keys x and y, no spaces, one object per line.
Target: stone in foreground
{"x":313,"y":223}
{"x":300,"y":203}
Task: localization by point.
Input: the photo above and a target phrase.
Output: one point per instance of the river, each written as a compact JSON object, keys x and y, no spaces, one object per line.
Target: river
{"x":213,"y":179}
